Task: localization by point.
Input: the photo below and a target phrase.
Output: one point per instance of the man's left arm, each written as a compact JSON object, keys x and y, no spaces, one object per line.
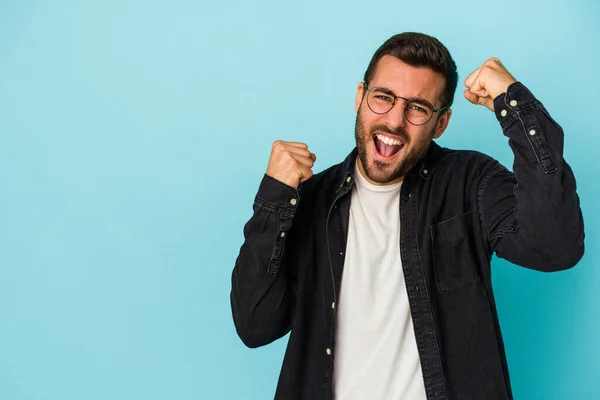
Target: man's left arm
{"x":530,"y":216}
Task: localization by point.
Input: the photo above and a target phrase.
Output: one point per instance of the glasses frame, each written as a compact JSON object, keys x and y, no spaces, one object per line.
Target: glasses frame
{"x":407,"y":101}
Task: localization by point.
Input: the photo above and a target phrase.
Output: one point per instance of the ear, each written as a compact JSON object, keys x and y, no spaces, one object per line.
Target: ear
{"x":360,"y":91}
{"x":442,"y":123}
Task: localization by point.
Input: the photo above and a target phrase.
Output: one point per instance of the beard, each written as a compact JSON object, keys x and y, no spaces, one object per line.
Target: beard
{"x":384,"y":172}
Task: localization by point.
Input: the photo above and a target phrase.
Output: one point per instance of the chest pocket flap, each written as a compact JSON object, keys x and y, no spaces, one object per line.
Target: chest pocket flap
{"x":453,"y":248}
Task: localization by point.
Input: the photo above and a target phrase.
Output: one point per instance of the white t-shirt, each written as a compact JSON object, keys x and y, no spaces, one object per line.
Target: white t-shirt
{"x":376,"y":350}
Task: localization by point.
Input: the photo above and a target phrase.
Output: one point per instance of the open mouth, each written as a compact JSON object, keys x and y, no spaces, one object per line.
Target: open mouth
{"x":387,"y":147}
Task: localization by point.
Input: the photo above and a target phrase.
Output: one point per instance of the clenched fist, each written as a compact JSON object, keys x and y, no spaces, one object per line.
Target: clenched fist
{"x":290,"y":162}
{"x":487,"y":82}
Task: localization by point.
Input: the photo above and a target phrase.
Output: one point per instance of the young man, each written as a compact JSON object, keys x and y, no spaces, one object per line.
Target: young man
{"x":380,"y":265}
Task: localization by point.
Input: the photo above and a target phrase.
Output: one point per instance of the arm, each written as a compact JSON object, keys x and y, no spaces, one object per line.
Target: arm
{"x":262,"y":288}
{"x":262,"y":300}
{"x":532,"y":217}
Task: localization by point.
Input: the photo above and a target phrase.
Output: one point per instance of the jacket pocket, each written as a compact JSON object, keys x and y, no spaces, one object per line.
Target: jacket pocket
{"x":453,"y":248}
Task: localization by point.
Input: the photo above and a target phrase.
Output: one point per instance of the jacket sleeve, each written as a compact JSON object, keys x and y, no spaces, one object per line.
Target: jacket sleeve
{"x":262,"y":290}
{"x":531,"y":217}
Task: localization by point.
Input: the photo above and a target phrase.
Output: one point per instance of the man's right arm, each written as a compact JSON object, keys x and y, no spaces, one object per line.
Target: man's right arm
{"x":262,"y":299}
{"x":262,"y":288}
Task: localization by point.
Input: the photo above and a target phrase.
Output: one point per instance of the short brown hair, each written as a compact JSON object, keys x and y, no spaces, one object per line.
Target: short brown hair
{"x":419,"y":50}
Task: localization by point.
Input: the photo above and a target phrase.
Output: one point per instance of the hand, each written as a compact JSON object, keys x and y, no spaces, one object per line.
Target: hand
{"x":487,"y":82}
{"x":290,"y":163}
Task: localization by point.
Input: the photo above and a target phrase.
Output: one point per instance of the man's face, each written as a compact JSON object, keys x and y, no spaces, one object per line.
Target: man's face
{"x":383,"y":163}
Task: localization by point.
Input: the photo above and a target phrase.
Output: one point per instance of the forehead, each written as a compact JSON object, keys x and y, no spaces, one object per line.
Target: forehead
{"x":408,"y":81}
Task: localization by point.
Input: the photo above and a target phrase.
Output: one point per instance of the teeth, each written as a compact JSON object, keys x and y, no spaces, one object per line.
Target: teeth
{"x":389,"y":141}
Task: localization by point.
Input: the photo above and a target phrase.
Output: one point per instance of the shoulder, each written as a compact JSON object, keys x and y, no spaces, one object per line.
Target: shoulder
{"x":467,"y":161}
{"x":330,"y":179}
{"x":464,"y":170}
{"x":325,"y":180}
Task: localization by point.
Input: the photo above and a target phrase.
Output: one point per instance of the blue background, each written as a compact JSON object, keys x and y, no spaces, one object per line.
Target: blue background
{"x":133,"y":136}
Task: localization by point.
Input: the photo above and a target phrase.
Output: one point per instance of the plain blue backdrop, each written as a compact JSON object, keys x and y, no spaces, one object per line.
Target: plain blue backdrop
{"x":133,"y":136}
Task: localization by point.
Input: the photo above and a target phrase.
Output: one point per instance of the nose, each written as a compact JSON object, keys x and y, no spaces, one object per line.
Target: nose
{"x":395,"y":117}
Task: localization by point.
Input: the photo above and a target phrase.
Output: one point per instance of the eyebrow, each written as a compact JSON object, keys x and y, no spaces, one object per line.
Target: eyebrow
{"x":384,"y":90}
{"x":417,"y":100}
{"x":423,"y":102}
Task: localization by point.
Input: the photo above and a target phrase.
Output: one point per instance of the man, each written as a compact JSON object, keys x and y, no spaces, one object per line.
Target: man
{"x":380,"y":266}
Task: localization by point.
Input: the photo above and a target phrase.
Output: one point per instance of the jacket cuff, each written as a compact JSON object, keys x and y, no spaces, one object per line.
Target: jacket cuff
{"x":278,"y":196}
{"x":516,"y":98}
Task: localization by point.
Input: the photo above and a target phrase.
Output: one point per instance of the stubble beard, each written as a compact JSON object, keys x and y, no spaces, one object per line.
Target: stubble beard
{"x":376,"y":170}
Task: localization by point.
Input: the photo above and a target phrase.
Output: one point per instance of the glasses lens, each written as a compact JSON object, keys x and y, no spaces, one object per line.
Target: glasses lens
{"x":418,"y":113}
{"x":379,"y":102}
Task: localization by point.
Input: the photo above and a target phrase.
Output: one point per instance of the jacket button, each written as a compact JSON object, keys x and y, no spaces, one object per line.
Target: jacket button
{"x":513,"y":103}
{"x":425,"y":171}
{"x":503,"y":113}
{"x":282,"y":234}
{"x":293,"y":202}
{"x":328,"y":351}
{"x":532,"y":132}
{"x":333,"y":305}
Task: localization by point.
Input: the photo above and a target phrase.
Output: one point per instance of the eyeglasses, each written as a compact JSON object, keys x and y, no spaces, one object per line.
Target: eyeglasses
{"x":417,"y":111}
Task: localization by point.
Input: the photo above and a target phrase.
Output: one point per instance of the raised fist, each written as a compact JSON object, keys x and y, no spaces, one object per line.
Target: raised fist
{"x":290,"y":162}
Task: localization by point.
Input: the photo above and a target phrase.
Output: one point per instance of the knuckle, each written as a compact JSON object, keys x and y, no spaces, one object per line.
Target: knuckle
{"x":278,"y":145}
{"x":486,"y":69}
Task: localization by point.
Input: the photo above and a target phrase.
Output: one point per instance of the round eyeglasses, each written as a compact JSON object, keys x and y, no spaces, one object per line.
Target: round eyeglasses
{"x":417,"y":111}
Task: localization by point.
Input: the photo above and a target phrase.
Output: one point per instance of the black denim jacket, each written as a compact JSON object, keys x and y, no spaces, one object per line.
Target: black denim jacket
{"x":456,"y":209}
